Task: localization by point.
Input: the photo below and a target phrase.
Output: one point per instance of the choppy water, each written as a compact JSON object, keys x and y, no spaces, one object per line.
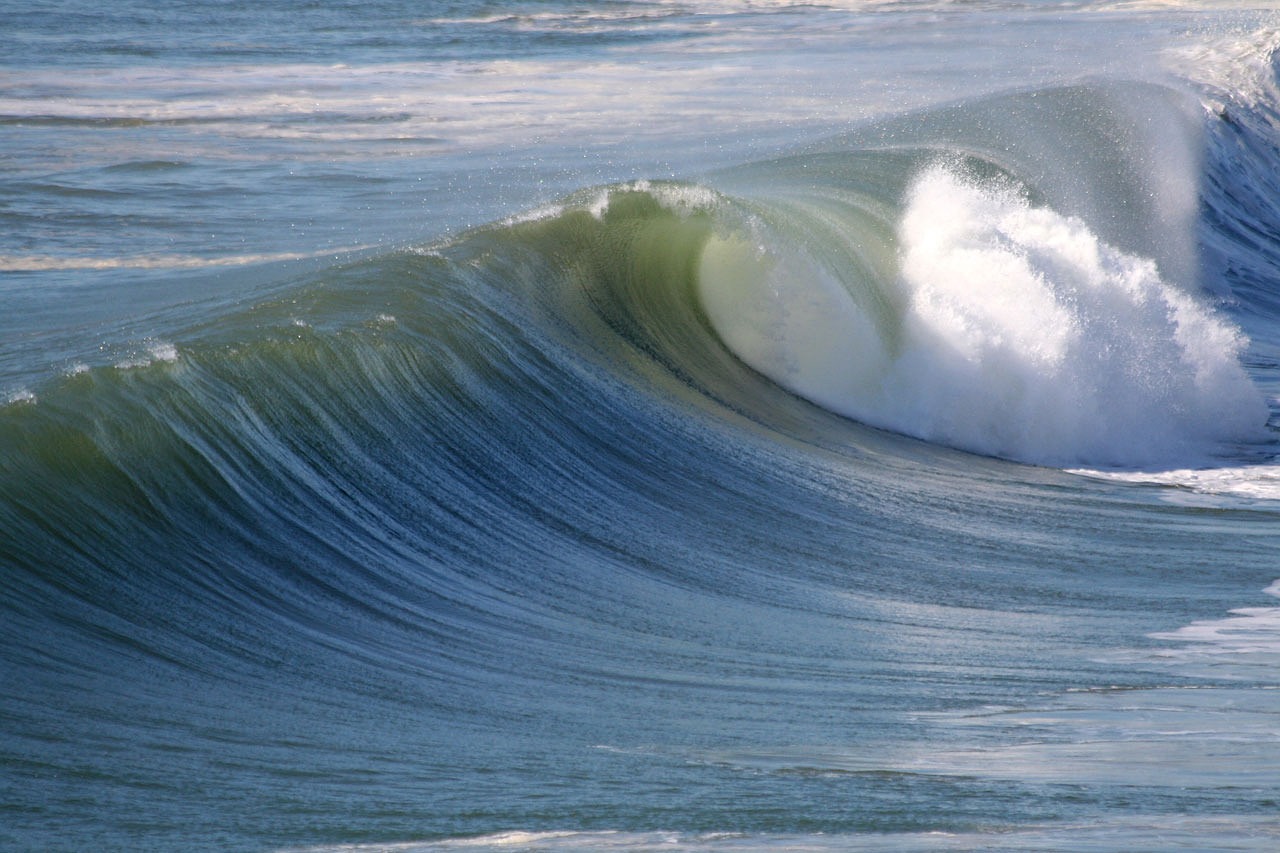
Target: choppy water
{"x":696,"y":425}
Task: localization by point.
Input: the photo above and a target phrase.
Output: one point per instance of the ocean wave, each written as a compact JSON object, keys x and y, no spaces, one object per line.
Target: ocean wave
{"x":943,"y":289}
{"x":1004,"y":300}
{"x":684,"y":492}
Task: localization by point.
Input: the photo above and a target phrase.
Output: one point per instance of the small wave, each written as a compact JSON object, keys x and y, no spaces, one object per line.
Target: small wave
{"x":1239,"y":832}
{"x":42,"y":263}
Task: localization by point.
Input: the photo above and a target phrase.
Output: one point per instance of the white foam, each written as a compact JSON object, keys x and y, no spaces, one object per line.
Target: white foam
{"x":679,"y":198}
{"x":154,"y":352}
{"x":1249,"y":482}
{"x":20,"y":397}
{"x":1248,"y":631}
{"x":534,"y":214}
{"x":431,"y":106}
{"x":1234,"y":67}
{"x":683,"y":198}
{"x":1019,"y":334}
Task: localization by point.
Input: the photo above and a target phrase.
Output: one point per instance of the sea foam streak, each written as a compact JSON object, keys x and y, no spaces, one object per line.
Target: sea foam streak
{"x":1236,"y":485}
{"x":1249,"y":631}
{"x":1176,"y":832}
{"x":1019,"y":333}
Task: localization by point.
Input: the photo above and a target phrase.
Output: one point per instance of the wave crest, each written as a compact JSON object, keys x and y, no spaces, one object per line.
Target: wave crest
{"x":1021,"y":334}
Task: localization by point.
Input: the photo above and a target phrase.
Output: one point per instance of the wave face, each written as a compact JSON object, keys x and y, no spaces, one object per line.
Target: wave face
{"x":913,"y":487}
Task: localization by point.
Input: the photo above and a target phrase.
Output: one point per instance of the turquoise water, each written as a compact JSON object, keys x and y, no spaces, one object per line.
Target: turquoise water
{"x":702,"y":426}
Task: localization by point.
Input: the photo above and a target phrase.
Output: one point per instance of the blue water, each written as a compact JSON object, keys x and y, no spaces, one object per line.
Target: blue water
{"x":708,"y":426}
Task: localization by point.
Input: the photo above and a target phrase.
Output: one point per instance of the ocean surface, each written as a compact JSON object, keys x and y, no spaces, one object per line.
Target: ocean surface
{"x":694,"y":425}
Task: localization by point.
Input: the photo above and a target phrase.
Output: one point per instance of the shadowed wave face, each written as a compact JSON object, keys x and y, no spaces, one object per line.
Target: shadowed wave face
{"x":908,"y":489}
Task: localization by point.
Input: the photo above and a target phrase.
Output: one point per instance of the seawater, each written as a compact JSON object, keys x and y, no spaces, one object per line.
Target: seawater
{"x":712,"y":426}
